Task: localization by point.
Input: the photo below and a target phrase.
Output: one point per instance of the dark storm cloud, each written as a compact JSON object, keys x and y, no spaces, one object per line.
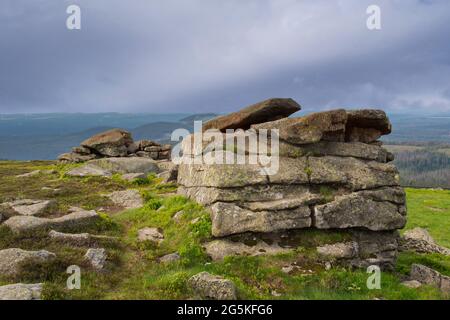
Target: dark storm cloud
{"x":215,"y":55}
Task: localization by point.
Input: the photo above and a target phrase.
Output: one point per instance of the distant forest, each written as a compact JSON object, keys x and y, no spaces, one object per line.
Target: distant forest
{"x":423,"y":166}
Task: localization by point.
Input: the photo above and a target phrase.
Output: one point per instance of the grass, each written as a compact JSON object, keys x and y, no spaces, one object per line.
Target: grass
{"x":430,"y":209}
{"x":134,"y":272}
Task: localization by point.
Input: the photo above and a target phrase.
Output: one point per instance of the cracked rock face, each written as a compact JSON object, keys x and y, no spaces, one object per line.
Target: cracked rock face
{"x":332,"y":173}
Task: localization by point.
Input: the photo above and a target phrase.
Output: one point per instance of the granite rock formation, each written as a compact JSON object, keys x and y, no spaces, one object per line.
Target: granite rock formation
{"x":333,"y":174}
{"x":115,"y":143}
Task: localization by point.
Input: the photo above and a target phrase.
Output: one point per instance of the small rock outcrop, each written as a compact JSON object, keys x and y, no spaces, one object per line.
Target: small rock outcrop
{"x":208,"y":286}
{"x":78,"y":239}
{"x":115,"y":143}
{"x":26,"y":207}
{"x":431,"y":277}
{"x":21,"y":291}
{"x":331,"y":173}
{"x":127,"y":199}
{"x":77,"y":219}
{"x":12,"y":259}
{"x":419,"y":240}
{"x":219,"y":249}
{"x":150,"y":234}
{"x":106,"y":167}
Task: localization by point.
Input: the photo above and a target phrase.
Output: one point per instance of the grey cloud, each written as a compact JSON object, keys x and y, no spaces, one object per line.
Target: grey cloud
{"x":214,"y":55}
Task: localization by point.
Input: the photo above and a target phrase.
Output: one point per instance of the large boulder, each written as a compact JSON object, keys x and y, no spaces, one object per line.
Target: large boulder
{"x":208,"y":286}
{"x":329,"y":172}
{"x":228,"y":219}
{"x":11,"y":260}
{"x":21,"y":291}
{"x":268,"y":110}
{"x":112,"y":143}
{"x":254,"y":193}
{"x":359,"y":210}
{"x":328,"y":126}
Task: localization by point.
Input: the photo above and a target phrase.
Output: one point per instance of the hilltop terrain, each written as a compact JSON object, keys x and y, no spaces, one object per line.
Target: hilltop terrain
{"x":134,"y":270}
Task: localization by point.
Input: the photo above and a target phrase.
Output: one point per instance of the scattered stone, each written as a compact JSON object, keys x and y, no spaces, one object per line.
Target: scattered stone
{"x":78,"y":219}
{"x":275,"y":293}
{"x":219,"y":249}
{"x":12,"y":259}
{"x":29,"y":174}
{"x":413,"y":284}
{"x":178,"y":216}
{"x":21,"y":291}
{"x":128,"y":199}
{"x":194,"y":221}
{"x":431,"y":277}
{"x":268,"y":110}
{"x":79,"y":239}
{"x":346,"y":250}
{"x":208,"y":286}
{"x":288,"y":269}
{"x":96,"y":258}
{"x":27,"y":207}
{"x":88,"y":170}
{"x":170,"y":258}
{"x":134,"y":176}
{"x":150,"y":234}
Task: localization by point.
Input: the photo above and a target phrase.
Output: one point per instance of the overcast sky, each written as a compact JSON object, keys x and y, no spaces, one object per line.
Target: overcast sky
{"x":220,"y":55}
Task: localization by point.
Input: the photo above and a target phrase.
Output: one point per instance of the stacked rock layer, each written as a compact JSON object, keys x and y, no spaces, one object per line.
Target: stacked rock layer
{"x":115,"y":143}
{"x":333,"y":174}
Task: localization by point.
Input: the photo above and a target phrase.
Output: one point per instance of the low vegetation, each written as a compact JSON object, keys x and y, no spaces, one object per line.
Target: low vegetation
{"x":134,"y":271}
